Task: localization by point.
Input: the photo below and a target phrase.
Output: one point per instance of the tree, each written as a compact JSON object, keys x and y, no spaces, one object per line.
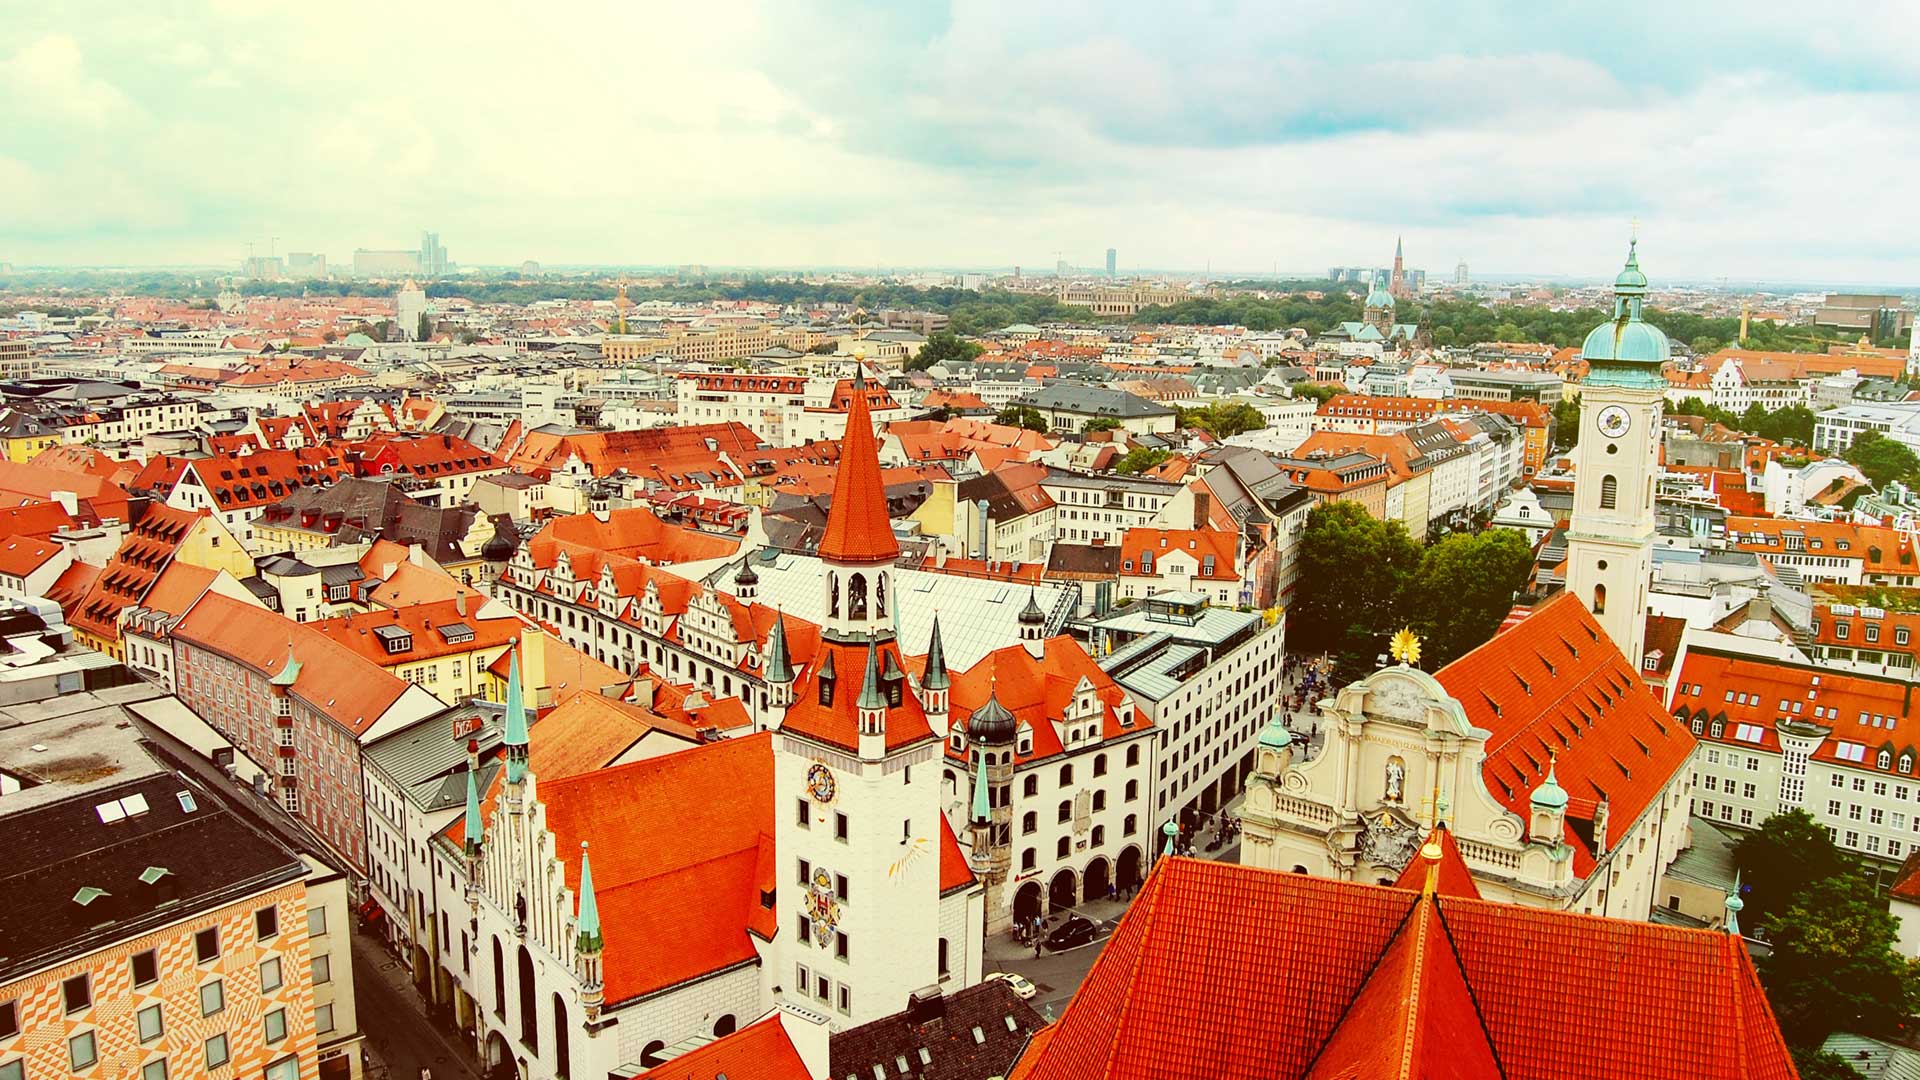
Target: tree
{"x":825,"y":348}
{"x":1814,"y":1064}
{"x":1834,"y":966}
{"x":1319,"y":392}
{"x":1781,"y":860}
{"x":1463,"y":589}
{"x":943,"y":347}
{"x":1566,"y":423}
{"x":1025,"y":416}
{"x":1140,"y":459}
{"x":1881,"y":458}
{"x":423,"y":331}
{"x":1223,"y":419}
{"x":1352,"y":570}
{"x":1100,"y":423}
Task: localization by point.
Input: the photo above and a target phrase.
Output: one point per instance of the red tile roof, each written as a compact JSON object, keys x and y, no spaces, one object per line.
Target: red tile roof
{"x":1453,"y":879}
{"x":857,"y":526}
{"x":1746,"y":698}
{"x":1555,"y":688}
{"x":955,"y":874}
{"x":760,"y":1052}
{"x":1236,"y":973}
{"x":1038,"y":691}
{"x":148,"y":548}
{"x":423,"y":624}
{"x":22,"y":555}
{"x":837,"y":723}
{"x":1198,"y":543}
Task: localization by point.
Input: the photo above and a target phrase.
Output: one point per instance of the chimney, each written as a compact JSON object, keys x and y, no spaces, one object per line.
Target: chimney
{"x":1600,"y":828}
{"x":1202,"y":509}
{"x":460,"y":602}
{"x":1760,"y":610}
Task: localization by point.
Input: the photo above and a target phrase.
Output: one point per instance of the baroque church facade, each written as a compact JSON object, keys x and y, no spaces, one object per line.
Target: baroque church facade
{"x":1558,"y":772}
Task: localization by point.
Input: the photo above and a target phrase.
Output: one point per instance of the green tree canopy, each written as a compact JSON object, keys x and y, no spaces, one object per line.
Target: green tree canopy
{"x":1100,"y":423}
{"x":1781,"y":860}
{"x":1463,"y":589}
{"x":1882,"y":459}
{"x":1025,"y":416}
{"x":1140,"y":459}
{"x":1566,"y":423}
{"x":1352,"y":569}
{"x":1223,"y":419}
{"x":943,"y":347}
{"x":1319,"y":392}
{"x":423,"y":330}
{"x":1834,"y":966}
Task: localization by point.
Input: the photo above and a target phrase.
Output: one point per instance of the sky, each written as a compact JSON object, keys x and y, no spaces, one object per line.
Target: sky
{"x":1753,"y":141}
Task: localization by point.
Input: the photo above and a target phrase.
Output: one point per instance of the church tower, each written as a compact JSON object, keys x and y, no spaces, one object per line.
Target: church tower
{"x":1397,"y":287}
{"x":1616,"y":465}
{"x":857,"y":773}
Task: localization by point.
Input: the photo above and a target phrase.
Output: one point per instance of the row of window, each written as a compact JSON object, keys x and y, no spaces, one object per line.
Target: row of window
{"x":83,"y":1047}
{"x":1063,"y":847}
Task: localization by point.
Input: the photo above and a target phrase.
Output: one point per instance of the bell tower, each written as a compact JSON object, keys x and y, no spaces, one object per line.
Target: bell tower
{"x":1616,"y":465}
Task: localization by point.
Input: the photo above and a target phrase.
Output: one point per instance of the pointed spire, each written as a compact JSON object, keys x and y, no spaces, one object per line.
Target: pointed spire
{"x":288,"y":672}
{"x":858,"y":529}
{"x":779,"y":664}
{"x":1032,"y":613}
{"x":1735,"y":905}
{"x":936,"y":676}
{"x":1399,"y":248}
{"x":516,"y":738}
{"x":470,"y":827}
{"x":870,"y":695}
{"x":982,"y":805}
{"x":1170,"y":830}
{"x":588,"y":921}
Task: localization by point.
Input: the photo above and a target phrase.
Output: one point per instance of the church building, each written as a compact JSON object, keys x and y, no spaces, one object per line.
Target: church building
{"x":1562,"y":777}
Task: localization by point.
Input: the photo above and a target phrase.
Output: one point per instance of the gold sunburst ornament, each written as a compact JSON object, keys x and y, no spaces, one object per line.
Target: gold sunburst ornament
{"x":1405,"y":647}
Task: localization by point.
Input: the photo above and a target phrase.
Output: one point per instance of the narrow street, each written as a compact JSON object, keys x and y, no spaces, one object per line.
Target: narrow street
{"x":400,"y":1038}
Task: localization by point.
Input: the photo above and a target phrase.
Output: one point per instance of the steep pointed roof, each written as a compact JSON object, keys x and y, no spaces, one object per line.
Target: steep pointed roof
{"x":470,"y":826}
{"x":1452,"y":877}
{"x":857,"y":525}
{"x":779,"y":662}
{"x":935,"y":676}
{"x":516,"y":735}
{"x":587,"y":923}
{"x":870,"y":695}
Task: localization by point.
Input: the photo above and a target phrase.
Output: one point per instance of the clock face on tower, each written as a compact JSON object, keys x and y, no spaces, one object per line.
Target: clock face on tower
{"x":1614,"y":421}
{"x":820,"y":783}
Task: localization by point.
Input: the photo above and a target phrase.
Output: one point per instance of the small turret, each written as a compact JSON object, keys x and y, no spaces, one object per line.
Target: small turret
{"x":780,"y":674}
{"x":1275,"y":748}
{"x":1033,"y":625}
{"x":1549,"y":804}
{"x":588,"y":943}
{"x":1171,"y":830}
{"x":935,"y":683}
{"x":1735,"y":906}
{"x":746,"y":584}
{"x":872,"y":704}
{"x":516,"y":736}
{"x":470,"y":830}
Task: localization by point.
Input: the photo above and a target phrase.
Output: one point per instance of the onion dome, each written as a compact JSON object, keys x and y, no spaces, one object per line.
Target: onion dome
{"x":1031,"y":615}
{"x":502,"y":544}
{"x":1627,"y":350}
{"x":1275,"y":735}
{"x":1549,"y":795}
{"x":991,"y":724}
{"x":747,"y":575}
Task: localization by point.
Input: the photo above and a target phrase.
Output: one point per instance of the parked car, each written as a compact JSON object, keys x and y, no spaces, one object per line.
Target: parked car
{"x":1075,"y":931}
{"x":1022,"y":988}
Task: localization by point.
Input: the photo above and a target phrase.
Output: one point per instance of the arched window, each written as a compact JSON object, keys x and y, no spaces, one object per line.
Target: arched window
{"x":1099,"y":835}
{"x":1029,"y":859}
{"x":529,"y":1022}
{"x":1066,"y":810}
{"x":1130,"y":826}
{"x":650,"y":1055}
{"x":833,"y":595}
{"x":562,"y":1050}
{"x":1609,"y":493}
{"x":724,"y":1026}
{"x":1063,"y":848}
{"x":880,"y":594}
{"x":1599,"y":599}
{"x":857,"y":596}
{"x":1100,"y":765}
{"x":1029,"y":822}
{"x":1133,"y":790}
{"x":499,"y":982}
{"x":1099,"y":800}
{"x":1133,"y":756}
{"x":1699,"y":724}
{"x":1906,"y":763}
{"x":1885,"y":760}
{"x":1031,"y":787}
{"x":1066,"y":775}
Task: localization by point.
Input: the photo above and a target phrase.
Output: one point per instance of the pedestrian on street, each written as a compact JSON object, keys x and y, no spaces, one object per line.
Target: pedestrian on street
{"x":1036,"y":948}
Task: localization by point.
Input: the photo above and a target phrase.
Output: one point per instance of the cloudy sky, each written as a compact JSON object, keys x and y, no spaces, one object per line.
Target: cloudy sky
{"x":1750,"y":140}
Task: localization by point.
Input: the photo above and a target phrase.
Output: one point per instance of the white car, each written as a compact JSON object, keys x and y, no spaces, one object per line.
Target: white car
{"x":1021,"y":987}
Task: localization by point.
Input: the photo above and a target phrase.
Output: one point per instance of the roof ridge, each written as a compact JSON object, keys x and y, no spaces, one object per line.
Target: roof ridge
{"x":1360,"y":987}
{"x":1453,"y":950}
{"x":1138,"y":961}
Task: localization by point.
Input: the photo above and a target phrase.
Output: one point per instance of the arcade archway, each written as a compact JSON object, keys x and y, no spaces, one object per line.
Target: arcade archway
{"x":1128,"y":875}
{"x":1026,"y":903}
{"x":1061,"y":893}
{"x":1094,"y":886}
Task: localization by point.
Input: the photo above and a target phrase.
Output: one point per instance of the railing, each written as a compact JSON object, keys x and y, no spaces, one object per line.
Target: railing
{"x":1301,"y":808}
{"x":1487,"y":855}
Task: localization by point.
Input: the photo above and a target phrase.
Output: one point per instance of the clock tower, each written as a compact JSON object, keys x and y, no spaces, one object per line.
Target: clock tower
{"x":1616,"y":465}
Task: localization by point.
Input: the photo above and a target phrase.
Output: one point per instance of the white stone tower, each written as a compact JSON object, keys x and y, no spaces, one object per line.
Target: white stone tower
{"x":1616,"y":465}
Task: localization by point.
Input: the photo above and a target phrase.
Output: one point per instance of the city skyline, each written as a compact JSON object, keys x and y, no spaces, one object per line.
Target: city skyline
{"x":837,"y":136}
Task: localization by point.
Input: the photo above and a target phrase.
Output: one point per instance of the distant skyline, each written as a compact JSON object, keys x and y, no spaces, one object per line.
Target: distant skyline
{"x":1755,"y":142}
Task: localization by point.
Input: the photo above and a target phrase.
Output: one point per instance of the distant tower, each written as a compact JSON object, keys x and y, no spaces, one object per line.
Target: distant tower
{"x":1379,"y":307}
{"x":1616,"y":464}
{"x":409,"y":305}
{"x":620,"y":305}
{"x":1113,"y":262}
{"x":1460,"y":273}
{"x":1397,"y":285}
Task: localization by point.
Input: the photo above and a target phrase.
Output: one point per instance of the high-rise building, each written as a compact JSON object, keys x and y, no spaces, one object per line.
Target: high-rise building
{"x":1059,"y":268}
{"x":1113,"y":262}
{"x":1610,"y":540}
{"x":433,"y":256}
{"x":306,"y":264}
{"x":409,"y":306}
{"x":1460,"y":273}
{"x":263,"y":266}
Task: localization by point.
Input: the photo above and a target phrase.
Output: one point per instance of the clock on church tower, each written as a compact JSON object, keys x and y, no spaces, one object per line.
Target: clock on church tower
{"x":1616,"y":464}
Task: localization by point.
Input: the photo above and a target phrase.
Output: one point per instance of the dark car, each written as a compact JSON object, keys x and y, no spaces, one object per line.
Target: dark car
{"x":1075,"y":931}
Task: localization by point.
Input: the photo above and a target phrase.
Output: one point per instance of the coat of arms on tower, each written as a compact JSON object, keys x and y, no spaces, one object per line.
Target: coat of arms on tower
{"x":1388,"y":838}
{"x":823,"y":908}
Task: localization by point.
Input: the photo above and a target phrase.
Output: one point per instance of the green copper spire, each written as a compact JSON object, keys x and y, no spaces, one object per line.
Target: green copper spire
{"x":288,"y":673}
{"x":1627,"y":350}
{"x":982,"y":804}
{"x":779,"y":663}
{"x":588,"y":921}
{"x":516,"y":740}
{"x":936,"y":677}
{"x":1170,"y":830}
{"x":870,"y":695}
{"x":1734,"y":906}
{"x":471,"y":827}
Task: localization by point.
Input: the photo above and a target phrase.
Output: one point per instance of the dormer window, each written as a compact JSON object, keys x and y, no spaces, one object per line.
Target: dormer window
{"x":1884,"y":760}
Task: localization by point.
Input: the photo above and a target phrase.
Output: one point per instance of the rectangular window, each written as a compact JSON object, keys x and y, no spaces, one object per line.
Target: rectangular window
{"x":216,"y":1051}
{"x":9,"y":1020}
{"x":846,"y":999}
{"x":206,"y":945}
{"x":839,"y":826}
{"x":154,"y":1070}
{"x":146,"y":968}
{"x":806,"y":871}
{"x":316,"y":921}
{"x":266,"y":923}
{"x":840,"y":887}
{"x":275,"y":1025}
{"x":270,"y":975}
{"x":323,"y":1018}
{"x":839,"y":946}
{"x":213,"y":998}
{"x":147,"y":1022}
{"x":82,"y":1052}
{"x":803,"y":815}
{"x":76,"y":993}
{"x":322,"y":969}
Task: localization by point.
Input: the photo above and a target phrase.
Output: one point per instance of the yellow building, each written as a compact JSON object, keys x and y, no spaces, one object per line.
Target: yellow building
{"x":25,"y":436}
{"x":445,"y":646}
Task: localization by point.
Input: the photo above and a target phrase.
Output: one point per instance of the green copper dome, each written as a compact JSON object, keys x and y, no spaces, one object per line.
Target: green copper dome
{"x":1378,"y":296}
{"x":1275,"y":735}
{"x":1549,"y":795}
{"x":1627,"y":350}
